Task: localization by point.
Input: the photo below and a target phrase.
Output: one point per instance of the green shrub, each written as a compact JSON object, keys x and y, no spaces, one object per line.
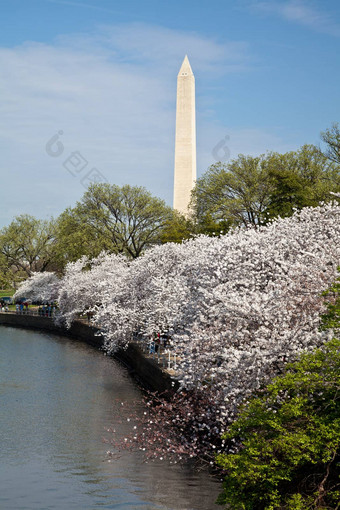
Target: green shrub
{"x":283,"y":450}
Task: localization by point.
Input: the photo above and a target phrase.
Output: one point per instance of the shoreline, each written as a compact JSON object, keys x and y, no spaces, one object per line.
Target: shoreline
{"x":144,"y":370}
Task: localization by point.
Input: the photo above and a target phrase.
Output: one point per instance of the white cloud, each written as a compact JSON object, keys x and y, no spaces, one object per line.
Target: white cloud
{"x":301,"y":12}
{"x":113,"y":96}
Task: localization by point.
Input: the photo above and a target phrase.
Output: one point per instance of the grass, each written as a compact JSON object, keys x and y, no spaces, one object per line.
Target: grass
{"x":7,"y":293}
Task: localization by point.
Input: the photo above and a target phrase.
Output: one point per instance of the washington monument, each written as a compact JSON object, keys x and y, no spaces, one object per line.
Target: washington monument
{"x":185,"y":145}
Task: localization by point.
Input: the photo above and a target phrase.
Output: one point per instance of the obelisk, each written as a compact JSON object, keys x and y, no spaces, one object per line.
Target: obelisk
{"x":185,"y":145}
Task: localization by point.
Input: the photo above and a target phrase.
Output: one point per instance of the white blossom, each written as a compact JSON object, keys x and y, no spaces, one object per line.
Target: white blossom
{"x":42,"y":287}
{"x":237,"y":307}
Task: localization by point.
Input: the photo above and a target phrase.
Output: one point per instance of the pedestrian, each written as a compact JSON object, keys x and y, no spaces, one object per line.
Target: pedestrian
{"x":152,"y":347}
{"x":157,"y":342}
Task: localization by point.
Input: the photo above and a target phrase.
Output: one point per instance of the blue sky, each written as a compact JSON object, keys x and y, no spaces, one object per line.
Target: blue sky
{"x":103,"y":73}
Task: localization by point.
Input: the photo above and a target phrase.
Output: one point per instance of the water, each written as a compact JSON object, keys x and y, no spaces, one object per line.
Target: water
{"x":57,"y":398}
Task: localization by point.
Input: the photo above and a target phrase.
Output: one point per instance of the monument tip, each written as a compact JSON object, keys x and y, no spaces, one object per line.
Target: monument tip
{"x":185,"y":67}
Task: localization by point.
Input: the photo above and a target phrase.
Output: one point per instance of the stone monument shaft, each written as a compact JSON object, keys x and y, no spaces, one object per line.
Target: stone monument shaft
{"x":185,"y":145}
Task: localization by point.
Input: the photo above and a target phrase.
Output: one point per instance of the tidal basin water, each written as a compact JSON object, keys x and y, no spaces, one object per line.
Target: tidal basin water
{"x":57,"y":399}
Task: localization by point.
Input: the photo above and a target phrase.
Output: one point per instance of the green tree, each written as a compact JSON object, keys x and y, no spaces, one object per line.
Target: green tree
{"x":290,"y":437}
{"x":27,"y":245}
{"x":300,"y":179}
{"x":252,"y":190}
{"x":332,"y":139}
{"x":289,"y":193}
{"x":9,"y":277}
{"x":124,"y":219}
{"x":75,"y":237}
{"x":232,"y":193}
{"x":177,"y":228}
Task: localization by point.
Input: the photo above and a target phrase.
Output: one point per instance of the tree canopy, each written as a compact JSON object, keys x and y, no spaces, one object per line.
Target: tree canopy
{"x":236,"y":192}
{"x":332,"y":139}
{"x":27,"y":245}
{"x":252,"y":190}
{"x":76,"y":237}
{"x":123,"y":219}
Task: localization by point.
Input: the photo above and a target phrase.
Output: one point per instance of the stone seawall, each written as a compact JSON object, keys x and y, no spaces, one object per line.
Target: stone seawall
{"x":144,"y":369}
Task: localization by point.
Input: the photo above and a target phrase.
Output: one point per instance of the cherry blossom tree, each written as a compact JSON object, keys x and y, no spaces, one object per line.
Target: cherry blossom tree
{"x":237,"y":308}
{"x":248,"y":303}
{"x":42,"y":287}
{"x":141,"y":300}
{"x":87,"y":284}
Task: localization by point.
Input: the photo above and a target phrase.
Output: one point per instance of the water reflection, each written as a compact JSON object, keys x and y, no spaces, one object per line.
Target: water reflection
{"x":57,"y":397}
